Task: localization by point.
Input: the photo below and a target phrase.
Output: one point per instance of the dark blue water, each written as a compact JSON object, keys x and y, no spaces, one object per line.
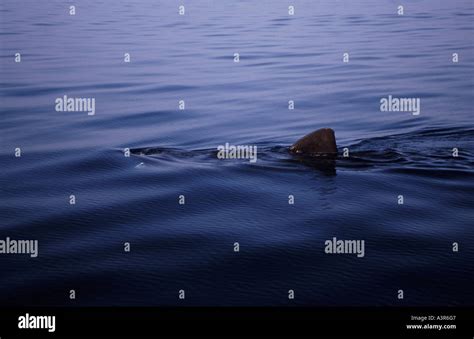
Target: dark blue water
{"x":191,"y":247}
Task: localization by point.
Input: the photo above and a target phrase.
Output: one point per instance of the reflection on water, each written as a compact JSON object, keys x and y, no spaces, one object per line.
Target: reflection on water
{"x":190,"y":58}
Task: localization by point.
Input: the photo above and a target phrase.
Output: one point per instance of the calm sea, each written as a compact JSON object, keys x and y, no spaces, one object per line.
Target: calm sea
{"x":283,"y":58}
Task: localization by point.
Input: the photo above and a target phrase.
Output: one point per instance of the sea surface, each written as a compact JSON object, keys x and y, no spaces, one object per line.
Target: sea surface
{"x":135,"y":199}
